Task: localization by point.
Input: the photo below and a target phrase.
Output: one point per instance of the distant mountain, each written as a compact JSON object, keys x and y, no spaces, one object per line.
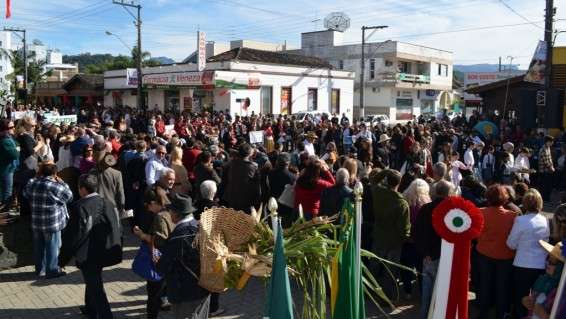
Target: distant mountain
{"x":163,"y":60}
{"x":482,"y":67}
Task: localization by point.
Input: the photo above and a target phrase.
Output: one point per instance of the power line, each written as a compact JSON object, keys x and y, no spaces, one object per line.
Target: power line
{"x":519,"y":15}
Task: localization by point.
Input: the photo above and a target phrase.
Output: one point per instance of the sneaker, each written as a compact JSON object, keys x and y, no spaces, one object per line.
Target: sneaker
{"x":218,"y":312}
{"x":56,"y":275}
{"x":166,"y":306}
{"x":83,"y":310}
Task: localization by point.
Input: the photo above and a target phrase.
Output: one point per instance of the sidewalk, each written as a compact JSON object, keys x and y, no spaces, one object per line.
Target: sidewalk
{"x":23,"y":296}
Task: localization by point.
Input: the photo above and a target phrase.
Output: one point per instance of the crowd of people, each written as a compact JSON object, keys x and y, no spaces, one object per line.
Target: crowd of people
{"x":128,"y":163}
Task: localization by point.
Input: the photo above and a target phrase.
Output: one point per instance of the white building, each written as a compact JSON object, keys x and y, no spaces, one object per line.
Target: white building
{"x":272,"y":82}
{"x":401,"y":79}
{"x":5,"y":63}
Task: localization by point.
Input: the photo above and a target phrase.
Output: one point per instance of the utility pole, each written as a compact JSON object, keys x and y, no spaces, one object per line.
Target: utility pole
{"x":137,"y":23}
{"x":363,"y":65}
{"x":23,"y":31}
{"x":548,"y":32}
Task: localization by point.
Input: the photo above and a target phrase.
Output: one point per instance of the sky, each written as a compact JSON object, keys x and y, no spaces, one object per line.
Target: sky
{"x":476,"y":31}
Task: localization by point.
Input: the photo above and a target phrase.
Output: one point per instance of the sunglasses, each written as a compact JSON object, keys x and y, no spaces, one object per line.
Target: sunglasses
{"x":11,"y":127}
{"x":161,"y":153}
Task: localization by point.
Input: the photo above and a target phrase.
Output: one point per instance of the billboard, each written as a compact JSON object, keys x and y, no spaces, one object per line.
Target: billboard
{"x":537,"y":68}
{"x":473,"y":79}
{"x":201,"y":51}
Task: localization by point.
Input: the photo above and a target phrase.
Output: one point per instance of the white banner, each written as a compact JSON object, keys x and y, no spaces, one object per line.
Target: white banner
{"x":201,"y":51}
{"x":256,"y":137}
{"x":17,"y":115}
{"x":58,"y":119}
{"x":169,"y":129}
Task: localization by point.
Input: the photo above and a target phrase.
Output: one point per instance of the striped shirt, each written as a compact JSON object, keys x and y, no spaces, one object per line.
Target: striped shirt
{"x":48,"y":200}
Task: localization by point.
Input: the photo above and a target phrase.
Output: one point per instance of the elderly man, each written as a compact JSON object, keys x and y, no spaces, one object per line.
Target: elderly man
{"x":392,"y":225}
{"x":332,"y":199}
{"x":179,"y":264}
{"x":48,"y":196}
{"x":110,"y":183}
{"x":155,"y":165}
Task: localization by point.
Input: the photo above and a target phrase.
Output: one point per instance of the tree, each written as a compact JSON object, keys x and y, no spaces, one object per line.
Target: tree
{"x":36,"y":69}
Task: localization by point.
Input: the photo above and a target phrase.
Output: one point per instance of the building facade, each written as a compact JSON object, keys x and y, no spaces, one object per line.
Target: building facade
{"x":242,"y":81}
{"x":5,"y":63}
{"x":401,"y":80}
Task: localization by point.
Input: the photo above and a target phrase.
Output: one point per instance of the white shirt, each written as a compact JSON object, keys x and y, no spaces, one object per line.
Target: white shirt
{"x":309,"y":147}
{"x":153,"y":170}
{"x":456,"y":176}
{"x":522,"y":163}
{"x":526,"y":232}
{"x":469,"y":158}
{"x":488,"y":161}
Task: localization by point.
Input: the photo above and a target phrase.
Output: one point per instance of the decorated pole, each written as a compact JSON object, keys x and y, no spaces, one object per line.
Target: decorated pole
{"x":272,"y":207}
{"x":358,"y":192}
{"x":457,"y":221}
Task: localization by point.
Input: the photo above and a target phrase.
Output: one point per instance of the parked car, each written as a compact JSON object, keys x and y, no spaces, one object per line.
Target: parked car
{"x":372,"y":120}
{"x":303,"y":115}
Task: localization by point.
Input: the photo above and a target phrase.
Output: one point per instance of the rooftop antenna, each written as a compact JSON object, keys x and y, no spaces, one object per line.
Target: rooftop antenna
{"x":337,"y":21}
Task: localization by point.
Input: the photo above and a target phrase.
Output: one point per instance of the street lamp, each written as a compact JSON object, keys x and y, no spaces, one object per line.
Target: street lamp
{"x":119,"y":39}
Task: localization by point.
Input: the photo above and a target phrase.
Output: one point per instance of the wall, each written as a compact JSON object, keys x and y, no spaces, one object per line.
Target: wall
{"x":156,"y":96}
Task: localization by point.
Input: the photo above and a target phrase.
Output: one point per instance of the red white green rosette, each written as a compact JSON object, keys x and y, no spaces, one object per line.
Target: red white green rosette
{"x":458,"y":221}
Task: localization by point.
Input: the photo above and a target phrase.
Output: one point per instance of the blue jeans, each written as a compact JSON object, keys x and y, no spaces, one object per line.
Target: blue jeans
{"x":429,"y":276}
{"x":7,"y":183}
{"x":46,"y":252}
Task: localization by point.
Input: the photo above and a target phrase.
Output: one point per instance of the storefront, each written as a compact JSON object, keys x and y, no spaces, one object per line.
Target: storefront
{"x":245,"y":82}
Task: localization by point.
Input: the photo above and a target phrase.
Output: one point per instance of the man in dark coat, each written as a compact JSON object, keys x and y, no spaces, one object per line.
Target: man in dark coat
{"x":94,"y":238}
{"x":180,"y":262}
{"x":241,"y":181}
{"x":332,"y":199}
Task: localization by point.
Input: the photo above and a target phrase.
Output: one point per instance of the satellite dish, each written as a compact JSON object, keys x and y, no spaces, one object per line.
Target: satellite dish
{"x":337,"y":21}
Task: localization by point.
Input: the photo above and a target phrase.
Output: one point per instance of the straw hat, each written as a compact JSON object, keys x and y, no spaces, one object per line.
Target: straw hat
{"x":312,"y":135}
{"x":67,"y":139}
{"x":555,"y":251}
{"x":383,"y":138}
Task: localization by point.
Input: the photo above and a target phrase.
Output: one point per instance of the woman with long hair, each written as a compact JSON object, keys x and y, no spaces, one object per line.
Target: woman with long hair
{"x":352,"y":166}
{"x":314,"y":178}
{"x":417,"y":195}
{"x":182,"y":184}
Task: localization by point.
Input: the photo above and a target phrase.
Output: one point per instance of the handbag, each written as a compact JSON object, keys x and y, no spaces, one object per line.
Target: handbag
{"x":287,"y":198}
{"x":143,"y":265}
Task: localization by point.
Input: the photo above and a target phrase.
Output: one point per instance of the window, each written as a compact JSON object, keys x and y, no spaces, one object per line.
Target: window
{"x":442,"y":69}
{"x":404,"y":67}
{"x":341,"y":65}
{"x":312,"y":100}
{"x":372,"y":69}
{"x":266,"y":98}
{"x":418,"y":94}
{"x":388,"y":63}
{"x":335,"y":101}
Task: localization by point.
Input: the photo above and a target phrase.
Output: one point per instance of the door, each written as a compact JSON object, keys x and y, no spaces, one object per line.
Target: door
{"x":312,"y":100}
{"x":286,"y":101}
{"x":266,"y":98}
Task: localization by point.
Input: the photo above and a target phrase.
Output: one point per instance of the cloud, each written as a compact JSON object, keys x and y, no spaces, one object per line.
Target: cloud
{"x":169,"y":27}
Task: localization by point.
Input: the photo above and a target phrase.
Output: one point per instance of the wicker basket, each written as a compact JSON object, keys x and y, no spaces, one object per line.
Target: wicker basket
{"x":234,"y":228}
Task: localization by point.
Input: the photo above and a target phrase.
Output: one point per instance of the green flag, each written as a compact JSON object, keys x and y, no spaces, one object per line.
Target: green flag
{"x":279,"y":303}
{"x":347,"y":290}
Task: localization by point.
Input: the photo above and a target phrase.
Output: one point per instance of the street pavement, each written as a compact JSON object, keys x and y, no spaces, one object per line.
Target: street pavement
{"x":24,"y":296}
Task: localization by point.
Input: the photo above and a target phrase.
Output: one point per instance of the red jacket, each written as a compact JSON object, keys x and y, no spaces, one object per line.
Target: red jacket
{"x":310,"y":198}
{"x":190,"y":160}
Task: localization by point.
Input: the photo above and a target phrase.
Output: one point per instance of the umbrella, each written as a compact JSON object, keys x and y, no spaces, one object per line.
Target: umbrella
{"x":486,"y":128}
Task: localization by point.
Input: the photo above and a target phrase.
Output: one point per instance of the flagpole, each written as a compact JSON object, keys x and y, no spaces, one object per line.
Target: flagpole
{"x":358,"y":192}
